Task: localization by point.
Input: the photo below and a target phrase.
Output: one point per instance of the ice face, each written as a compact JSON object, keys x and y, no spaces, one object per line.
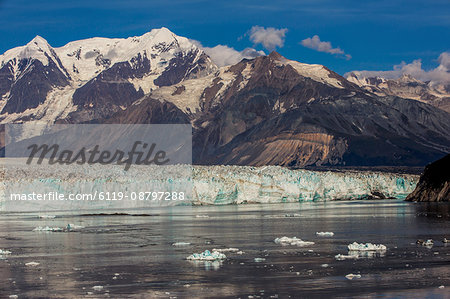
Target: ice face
{"x":214,"y":185}
{"x":271,"y":184}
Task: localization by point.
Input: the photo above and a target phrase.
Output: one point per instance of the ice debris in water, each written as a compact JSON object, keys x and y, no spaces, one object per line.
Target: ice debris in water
{"x":259,"y":259}
{"x":13,"y":297}
{"x":351,"y":276}
{"x":231,"y":249}
{"x":97,"y":288}
{"x":366,"y":247}
{"x":4,"y":252}
{"x":207,"y":256}
{"x":325,"y":234}
{"x":292,"y":241}
{"x":32,"y":264}
{"x":181,"y":244}
{"x":47,"y":229}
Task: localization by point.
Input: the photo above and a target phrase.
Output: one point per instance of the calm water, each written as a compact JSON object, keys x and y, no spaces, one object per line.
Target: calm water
{"x":133,"y":256}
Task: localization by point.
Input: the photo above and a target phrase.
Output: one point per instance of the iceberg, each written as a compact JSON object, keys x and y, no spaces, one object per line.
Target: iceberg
{"x":366,"y":247}
{"x":292,"y":241}
{"x":207,"y":256}
{"x":4,"y":252}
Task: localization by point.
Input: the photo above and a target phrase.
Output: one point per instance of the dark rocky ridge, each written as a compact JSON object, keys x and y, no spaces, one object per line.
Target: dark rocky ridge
{"x":434,"y":184}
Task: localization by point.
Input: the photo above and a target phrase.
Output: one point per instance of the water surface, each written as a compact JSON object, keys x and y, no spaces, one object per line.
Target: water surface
{"x":133,"y":255}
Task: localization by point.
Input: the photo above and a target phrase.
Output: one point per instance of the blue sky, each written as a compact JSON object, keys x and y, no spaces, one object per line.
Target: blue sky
{"x":377,"y":34}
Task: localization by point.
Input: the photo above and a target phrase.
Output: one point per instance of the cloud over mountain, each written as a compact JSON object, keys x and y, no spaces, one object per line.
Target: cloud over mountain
{"x":270,"y":37}
{"x":223,"y":55}
{"x":316,"y":44}
{"x":440,"y":74}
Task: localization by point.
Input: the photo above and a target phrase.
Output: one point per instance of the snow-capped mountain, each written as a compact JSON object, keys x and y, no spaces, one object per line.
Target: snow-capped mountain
{"x":436,"y":94}
{"x":263,"y":111}
{"x":93,"y":78}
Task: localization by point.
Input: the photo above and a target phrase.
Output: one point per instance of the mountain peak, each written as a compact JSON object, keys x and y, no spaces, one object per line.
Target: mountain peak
{"x":38,"y":40}
{"x":275,"y":55}
{"x":162,"y":34}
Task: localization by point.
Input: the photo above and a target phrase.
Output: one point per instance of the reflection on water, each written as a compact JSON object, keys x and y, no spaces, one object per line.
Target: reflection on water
{"x":124,"y":256}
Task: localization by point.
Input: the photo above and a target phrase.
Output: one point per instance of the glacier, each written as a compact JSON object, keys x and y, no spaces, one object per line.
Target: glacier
{"x":208,"y":185}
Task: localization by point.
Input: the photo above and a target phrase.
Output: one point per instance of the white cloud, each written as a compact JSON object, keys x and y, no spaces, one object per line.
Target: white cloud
{"x":223,"y":55}
{"x":440,"y":74}
{"x":316,"y":44}
{"x":269,"y":37}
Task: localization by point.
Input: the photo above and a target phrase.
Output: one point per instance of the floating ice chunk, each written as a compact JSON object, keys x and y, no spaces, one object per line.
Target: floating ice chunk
{"x":324,"y":265}
{"x":201,"y":216}
{"x":259,"y":259}
{"x":47,"y":216}
{"x":367,"y":253}
{"x":325,"y":234}
{"x":366,"y":247}
{"x":351,"y":276}
{"x":343,"y":257}
{"x":4,"y":252}
{"x":32,"y":264}
{"x":181,"y":244}
{"x":292,"y":241}
{"x":231,"y":249}
{"x":13,"y":297}
{"x":47,"y":229}
{"x":441,"y":287}
{"x":97,"y":288}
{"x":207,"y":256}
{"x":73,"y":227}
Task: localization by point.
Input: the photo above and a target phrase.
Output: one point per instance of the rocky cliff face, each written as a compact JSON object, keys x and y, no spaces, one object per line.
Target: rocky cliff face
{"x":434,"y":184}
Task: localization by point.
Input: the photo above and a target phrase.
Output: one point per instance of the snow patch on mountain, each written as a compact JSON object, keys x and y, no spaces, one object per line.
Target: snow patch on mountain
{"x":316,"y":72}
